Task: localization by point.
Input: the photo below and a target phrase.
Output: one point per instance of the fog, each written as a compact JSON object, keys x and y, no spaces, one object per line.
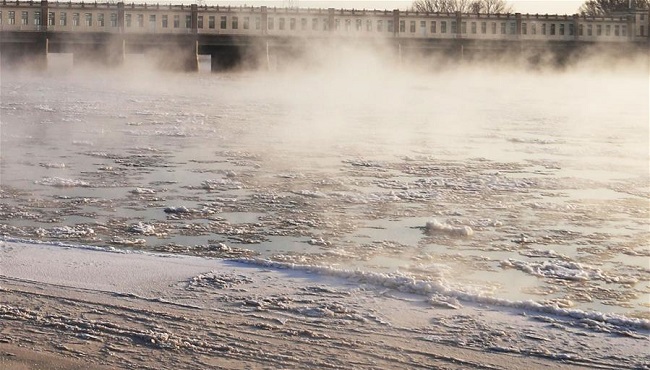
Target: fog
{"x":343,"y":156}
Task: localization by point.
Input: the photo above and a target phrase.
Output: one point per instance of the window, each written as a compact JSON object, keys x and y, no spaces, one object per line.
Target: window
{"x":513,"y":28}
{"x":337,"y":24}
{"x":127,"y":20}
{"x":402,"y":26}
{"x":412,"y":26}
{"x":368,"y":25}
{"x":423,"y":26}
{"x":258,"y":23}
{"x":359,"y":24}
{"x":24,"y":19}
{"x":165,"y":21}
{"x":199,"y":21}
{"x":641,"y":30}
{"x":12,"y":17}
{"x":37,"y":18}
{"x":433,"y":27}
{"x":140,"y":20}
{"x":281,"y":24}
{"x":590,"y":30}
{"x":177,"y":21}
{"x":483,"y":27}
{"x":380,"y":26}
{"x":348,"y":24}
{"x":599,"y":30}
{"x":113,"y":19}
{"x":443,"y":27}
{"x":581,"y":30}
{"x":533,"y":29}
{"x":212,"y":22}
{"x":100,"y":19}
{"x":624,"y":30}
{"x":608,"y":30}
{"x":503,"y":28}
{"x":188,"y":21}
{"x":463,"y":27}
{"x":235,"y":23}
{"x":453,"y":27}
{"x":223,"y":22}
{"x":572,"y":29}
{"x":561,"y":29}
{"x":51,"y":18}
{"x":473,"y":27}
{"x":63,"y":21}
{"x":524,"y":28}
{"x":543,"y":28}
{"x":617,"y":30}
{"x":552,"y":29}
{"x":247,"y":23}
{"x":292,"y":24}
{"x":314,"y":24}
{"x":326,"y":24}
{"x":152,"y":21}
{"x":270,"y":22}
{"x":390,"y":26}
{"x":494,"y":28}
{"x":75,"y":19}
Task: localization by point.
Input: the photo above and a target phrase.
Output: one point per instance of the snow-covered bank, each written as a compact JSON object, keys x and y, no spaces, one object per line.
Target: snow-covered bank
{"x":195,"y":312}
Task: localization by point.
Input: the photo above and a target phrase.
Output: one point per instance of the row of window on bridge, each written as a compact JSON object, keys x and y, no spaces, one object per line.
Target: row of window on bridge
{"x":317,"y":24}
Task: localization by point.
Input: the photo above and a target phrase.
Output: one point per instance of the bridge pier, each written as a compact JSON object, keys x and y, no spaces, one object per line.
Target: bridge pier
{"x":29,"y":53}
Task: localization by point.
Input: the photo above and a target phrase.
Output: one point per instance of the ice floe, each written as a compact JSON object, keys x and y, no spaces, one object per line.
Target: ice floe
{"x":434,"y":227}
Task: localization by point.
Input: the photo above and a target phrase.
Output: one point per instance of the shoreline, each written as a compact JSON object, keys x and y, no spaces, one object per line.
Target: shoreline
{"x":119,"y":310}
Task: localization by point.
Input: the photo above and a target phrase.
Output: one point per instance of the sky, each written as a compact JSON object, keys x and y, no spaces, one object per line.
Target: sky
{"x":521,"y":6}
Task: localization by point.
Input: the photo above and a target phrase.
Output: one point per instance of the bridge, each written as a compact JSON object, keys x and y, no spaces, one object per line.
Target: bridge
{"x":176,"y":34}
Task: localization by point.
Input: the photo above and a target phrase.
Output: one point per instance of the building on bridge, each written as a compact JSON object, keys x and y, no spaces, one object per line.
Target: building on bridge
{"x":106,"y":31}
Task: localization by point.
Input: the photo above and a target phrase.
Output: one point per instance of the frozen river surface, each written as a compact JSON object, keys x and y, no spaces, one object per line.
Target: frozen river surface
{"x":480,"y":183}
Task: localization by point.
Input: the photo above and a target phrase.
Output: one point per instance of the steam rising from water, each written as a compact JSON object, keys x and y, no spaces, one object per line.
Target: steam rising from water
{"x":346,"y":154}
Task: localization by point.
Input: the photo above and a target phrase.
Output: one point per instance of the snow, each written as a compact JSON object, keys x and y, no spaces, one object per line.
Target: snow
{"x":433,"y":227}
{"x":303,"y":298}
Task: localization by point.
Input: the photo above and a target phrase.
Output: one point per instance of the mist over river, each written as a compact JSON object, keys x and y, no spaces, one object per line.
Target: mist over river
{"x":492,"y":182}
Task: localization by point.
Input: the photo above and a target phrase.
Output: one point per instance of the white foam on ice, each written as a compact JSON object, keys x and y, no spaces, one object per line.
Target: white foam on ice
{"x":406,"y":283}
{"x":62,"y":182}
{"x":142,"y":228}
{"x":565,"y":270}
{"x":143,"y":191}
{"x":53,"y":165}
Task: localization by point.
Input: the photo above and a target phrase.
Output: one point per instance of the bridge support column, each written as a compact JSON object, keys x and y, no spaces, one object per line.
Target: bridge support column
{"x":31,"y":54}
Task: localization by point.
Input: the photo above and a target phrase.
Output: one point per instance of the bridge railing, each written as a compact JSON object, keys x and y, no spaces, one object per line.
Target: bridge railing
{"x":30,"y":16}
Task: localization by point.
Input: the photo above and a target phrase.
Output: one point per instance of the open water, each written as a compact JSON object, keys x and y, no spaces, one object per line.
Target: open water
{"x":502,"y":183}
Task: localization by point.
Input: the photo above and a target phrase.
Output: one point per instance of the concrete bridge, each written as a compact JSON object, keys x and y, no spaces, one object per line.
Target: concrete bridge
{"x":176,"y":34}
